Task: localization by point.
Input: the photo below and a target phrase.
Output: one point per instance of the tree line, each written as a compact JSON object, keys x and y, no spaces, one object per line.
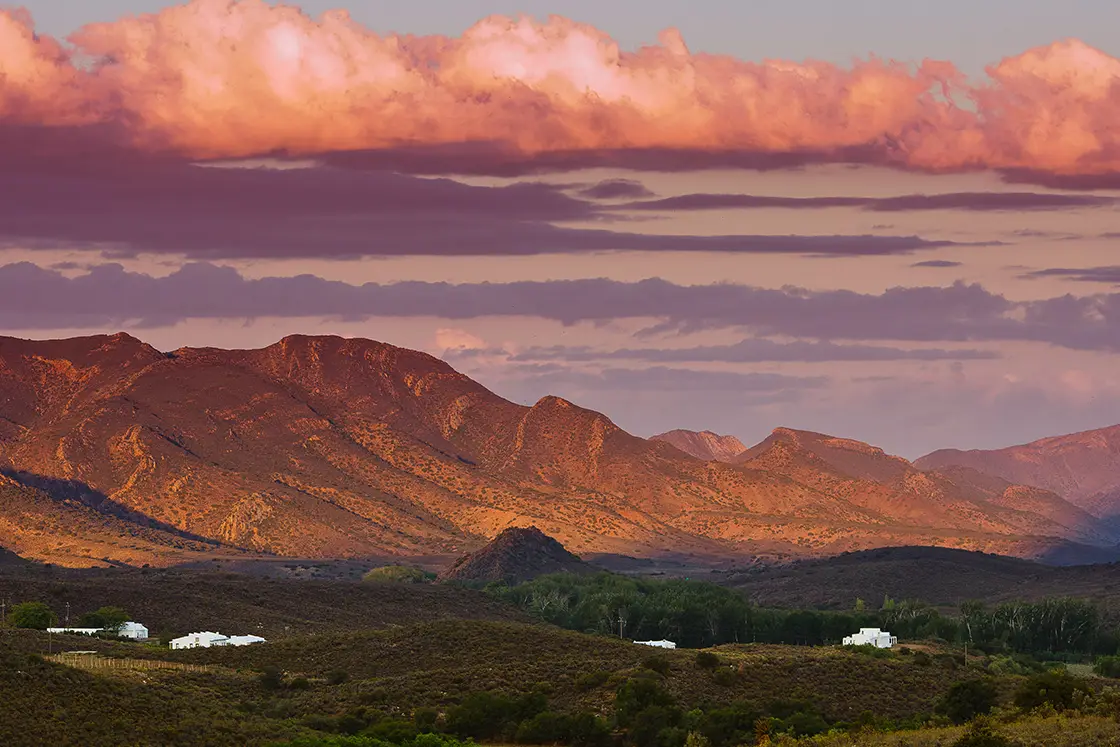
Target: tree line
{"x":697,"y":614}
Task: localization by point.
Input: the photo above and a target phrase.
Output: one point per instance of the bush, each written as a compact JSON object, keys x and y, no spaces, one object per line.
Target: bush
{"x":300,"y":683}
{"x":922,"y":659}
{"x":1108,"y":666}
{"x":981,"y":734}
{"x":725,"y":677}
{"x":32,"y":616}
{"x":707,"y":660}
{"x":399,"y":574}
{"x":491,"y":715}
{"x":591,"y":681}
{"x":969,"y":699}
{"x":337,"y":677}
{"x":636,"y":696}
{"x":271,"y":678}
{"x":658,"y":664}
{"x":1056,"y":689}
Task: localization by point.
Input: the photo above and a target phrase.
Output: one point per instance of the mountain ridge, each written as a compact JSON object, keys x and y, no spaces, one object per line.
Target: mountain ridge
{"x":338,"y":447}
{"x":1083,"y":467}
{"x":703,"y":445}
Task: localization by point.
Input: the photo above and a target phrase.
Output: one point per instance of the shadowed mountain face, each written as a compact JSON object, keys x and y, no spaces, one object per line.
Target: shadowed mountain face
{"x":330,"y":447}
{"x":516,"y":555}
{"x":1082,"y":467}
{"x":705,"y":445}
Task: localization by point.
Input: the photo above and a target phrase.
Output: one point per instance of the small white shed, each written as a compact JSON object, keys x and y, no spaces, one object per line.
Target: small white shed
{"x":205,"y":639}
{"x":657,"y":644}
{"x":871,"y":637}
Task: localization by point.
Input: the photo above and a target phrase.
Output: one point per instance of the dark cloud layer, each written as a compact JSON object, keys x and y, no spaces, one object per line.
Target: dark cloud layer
{"x":1109,"y":274}
{"x":615,"y":189}
{"x":969,"y":201}
{"x":752,"y":351}
{"x":209,"y":213}
{"x":33,"y":297}
{"x":937,"y":264}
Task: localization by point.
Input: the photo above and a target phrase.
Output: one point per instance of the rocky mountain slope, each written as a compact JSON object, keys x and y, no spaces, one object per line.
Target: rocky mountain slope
{"x":331,"y":447}
{"x":703,"y":444}
{"x":517,"y":554}
{"x":1082,"y":467}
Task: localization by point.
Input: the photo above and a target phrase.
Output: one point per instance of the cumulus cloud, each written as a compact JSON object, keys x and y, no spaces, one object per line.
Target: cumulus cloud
{"x":213,"y":78}
{"x":108,"y":296}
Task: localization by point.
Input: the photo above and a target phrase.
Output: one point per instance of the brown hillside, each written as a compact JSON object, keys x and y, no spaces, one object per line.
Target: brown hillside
{"x":710,"y":447}
{"x":517,"y":554}
{"x":1082,"y":467}
{"x":331,"y":447}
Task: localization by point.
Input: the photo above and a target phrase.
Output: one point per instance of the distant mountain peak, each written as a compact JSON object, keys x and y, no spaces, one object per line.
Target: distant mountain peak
{"x":517,"y":554}
{"x":706,"y":445}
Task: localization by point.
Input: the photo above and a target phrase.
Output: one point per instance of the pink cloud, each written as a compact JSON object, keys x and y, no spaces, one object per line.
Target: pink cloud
{"x":211,"y":78}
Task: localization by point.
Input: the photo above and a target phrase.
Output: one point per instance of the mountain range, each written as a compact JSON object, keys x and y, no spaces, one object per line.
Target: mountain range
{"x":1083,"y":467}
{"x":113,"y":451}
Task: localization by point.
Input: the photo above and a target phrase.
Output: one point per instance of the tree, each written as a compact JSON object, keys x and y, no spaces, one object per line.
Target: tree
{"x":111,"y":619}
{"x":969,"y":699}
{"x":32,"y":615}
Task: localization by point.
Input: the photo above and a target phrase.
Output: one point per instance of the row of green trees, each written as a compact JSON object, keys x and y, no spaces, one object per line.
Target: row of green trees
{"x":697,"y":614}
{"x":39,"y":616}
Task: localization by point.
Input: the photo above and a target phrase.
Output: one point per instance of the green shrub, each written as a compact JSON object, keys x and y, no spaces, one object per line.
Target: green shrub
{"x":300,"y":683}
{"x":1056,"y":689}
{"x":658,"y":664}
{"x":707,"y":660}
{"x":271,"y":678}
{"x":969,"y":699}
{"x":636,"y":696}
{"x":32,"y":615}
{"x":399,"y":574}
{"x":725,"y":677}
{"x":337,"y":677}
{"x":980,"y":733}
{"x":1108,"y":666}
{"x":592,"y":681}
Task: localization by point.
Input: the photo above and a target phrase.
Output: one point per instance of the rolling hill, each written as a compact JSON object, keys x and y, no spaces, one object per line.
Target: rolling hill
{"x":1082,"y":467}
{"x":328,"y":447}
{"x":516,"y":555}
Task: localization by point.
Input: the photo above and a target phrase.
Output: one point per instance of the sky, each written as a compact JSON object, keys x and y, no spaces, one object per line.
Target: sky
{"x":708,"y":233}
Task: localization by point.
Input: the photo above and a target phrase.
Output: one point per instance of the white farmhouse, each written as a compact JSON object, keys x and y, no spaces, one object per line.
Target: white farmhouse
{"x":871,"y":637}
{"x":245,"y":640}
{"x":657,"y":644}
{"x":205,"y":639}
{"x":133,"y":630}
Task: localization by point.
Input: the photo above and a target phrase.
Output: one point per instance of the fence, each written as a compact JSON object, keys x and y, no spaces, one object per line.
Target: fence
{"x":95,"y":662}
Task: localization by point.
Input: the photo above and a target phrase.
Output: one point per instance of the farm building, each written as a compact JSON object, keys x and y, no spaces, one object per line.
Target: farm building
{"x":133,"y":630}
{"x":245,"y":640}
{"x":76,"y":631}
{"x":871,"y":637}
{"x":657,"y":644}
{"x":205,"y":639}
